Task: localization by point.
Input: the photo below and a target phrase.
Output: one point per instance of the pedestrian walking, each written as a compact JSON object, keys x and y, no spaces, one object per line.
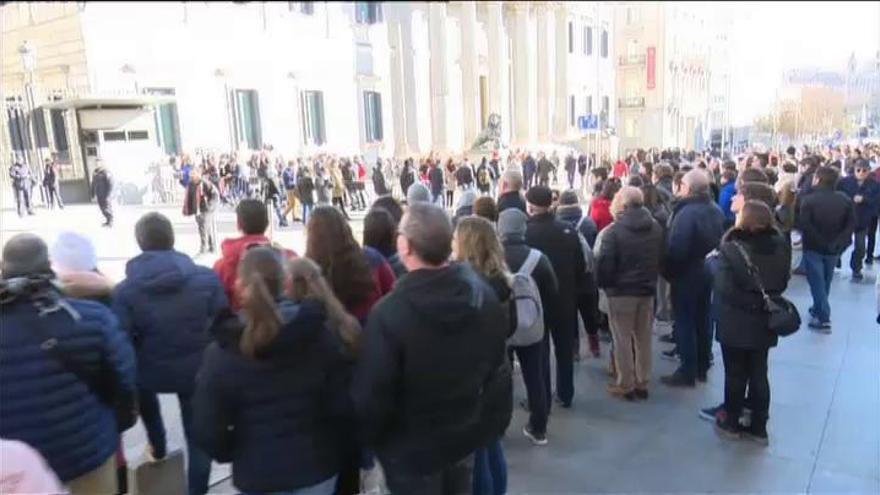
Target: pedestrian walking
{"x":436,"y":179}
{"x":627,"y":268}
{"x":827,"y":220}
{"x":49,"y":339}
{"x":305,"y":192}
{"x":166,"y":304}
{"x":271,"y":394}
{"x":441,"y":315}
{"x":510,"y":188}
{"x":864,"y":191}
{"x":529,"y":170}
{"x":289,"y":177}
{"x":102,"y":187}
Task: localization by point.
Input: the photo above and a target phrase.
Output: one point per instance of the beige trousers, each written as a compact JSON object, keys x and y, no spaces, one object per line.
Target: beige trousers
{"x":631,"y":320}
{"x":99,"y":481}
{"x":292,"y":205}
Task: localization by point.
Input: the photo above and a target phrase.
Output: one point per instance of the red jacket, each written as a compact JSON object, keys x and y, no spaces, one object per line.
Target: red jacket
{"x":227,"y":266}
{"x":620,"y":169}
{"x":600,"y":212}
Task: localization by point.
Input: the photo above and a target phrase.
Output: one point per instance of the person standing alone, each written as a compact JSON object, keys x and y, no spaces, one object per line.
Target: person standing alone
{"x":201,"y":201}
{"x":21,"y":184}
{"x":50,"y":182}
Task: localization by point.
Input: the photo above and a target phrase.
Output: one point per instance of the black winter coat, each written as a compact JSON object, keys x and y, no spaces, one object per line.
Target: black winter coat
{"x":827,"y":220}
{"x":277,"y":418}
{"x":559,"y":242}
{"x":429,"y":386}
{"x":515,"y":253}
{"x":512,"y":199}
{"x":737,"y":299}
{"x":628,"y":262}
{"x":102,"y":184}
{"x":695,"y":230}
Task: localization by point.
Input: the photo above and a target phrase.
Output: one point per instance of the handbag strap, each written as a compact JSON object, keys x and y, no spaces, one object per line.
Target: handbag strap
{"x":753,"y":270}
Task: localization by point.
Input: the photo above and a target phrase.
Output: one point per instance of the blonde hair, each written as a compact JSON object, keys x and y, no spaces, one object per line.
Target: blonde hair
{"x":478,"y":244}
{"x":626,"y":196}
{"x":306,"y":281}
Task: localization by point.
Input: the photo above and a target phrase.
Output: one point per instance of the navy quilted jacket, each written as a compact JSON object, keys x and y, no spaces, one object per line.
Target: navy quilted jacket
{"x":48,"y":407}
{"x":167,"y":304}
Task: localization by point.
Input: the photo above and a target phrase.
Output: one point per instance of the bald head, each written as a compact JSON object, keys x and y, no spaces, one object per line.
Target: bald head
{"x":25,"y":254}
{"x":695,"y":183}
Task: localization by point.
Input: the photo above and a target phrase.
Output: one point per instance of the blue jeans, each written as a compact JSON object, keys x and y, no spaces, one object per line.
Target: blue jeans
{"x":198,"y":462}
{"x":306,"y":208}
{"x":820,"y":272}
{"x":490,"y":470}
{"x":326,"y":487}
{"x":692,"y":328}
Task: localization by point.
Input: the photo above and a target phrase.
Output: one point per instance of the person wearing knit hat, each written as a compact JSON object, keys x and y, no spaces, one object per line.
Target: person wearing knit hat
{"x":418,"y":193}
{"x":73,"y":252}
{"x":540,"y":196}
{"x":465,"y":205}
{"x":512,"y":226}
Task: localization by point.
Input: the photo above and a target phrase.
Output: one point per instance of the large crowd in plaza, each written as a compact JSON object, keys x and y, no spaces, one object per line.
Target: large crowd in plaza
{"x":396,"y":353}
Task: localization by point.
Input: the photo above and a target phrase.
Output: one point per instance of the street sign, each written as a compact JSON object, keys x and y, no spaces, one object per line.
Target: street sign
{"x":588,"y":122}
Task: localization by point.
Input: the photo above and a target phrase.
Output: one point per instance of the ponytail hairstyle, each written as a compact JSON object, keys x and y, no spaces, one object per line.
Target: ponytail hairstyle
{"x":260,"y":280}
{"x":306,"y":281}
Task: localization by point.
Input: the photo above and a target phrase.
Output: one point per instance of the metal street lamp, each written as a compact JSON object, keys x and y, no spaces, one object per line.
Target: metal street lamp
{"x":29,"y":62}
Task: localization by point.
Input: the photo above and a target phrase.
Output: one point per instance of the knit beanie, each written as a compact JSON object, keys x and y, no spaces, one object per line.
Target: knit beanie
{"x":73,"y":252}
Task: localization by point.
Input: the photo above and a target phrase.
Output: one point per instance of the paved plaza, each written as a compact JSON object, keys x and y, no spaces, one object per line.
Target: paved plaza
{"x":825,"y":412}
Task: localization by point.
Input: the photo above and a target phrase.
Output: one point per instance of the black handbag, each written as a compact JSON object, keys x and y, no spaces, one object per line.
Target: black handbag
{"x":783,"y":317}
{"x":101,"y":383}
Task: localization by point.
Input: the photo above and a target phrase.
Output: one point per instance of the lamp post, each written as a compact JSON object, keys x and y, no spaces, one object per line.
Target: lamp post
{"x":29,"y":62}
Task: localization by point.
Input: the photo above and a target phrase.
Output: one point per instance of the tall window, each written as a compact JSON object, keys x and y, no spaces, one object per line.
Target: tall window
{"x":312,"y":105}
{"x":571,"y":118}
{"x":59,"y":134}
{"x":586,"y":38}
{"x":589,"y":40}
{"x":603,"y":117}
{"x":247,"y":118}
{"x":305,"y":8}
{"x":588,"y":105}
{"x":604,"y":46}
{"x":373,"y":116}
{"x":368,"y":12}
{"x":40,"y":135}
{"x":167,"y":123}
{"x":570,"y":37}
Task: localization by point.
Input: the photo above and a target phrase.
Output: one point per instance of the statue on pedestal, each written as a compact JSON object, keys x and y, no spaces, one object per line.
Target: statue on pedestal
{"x":490,"y":137}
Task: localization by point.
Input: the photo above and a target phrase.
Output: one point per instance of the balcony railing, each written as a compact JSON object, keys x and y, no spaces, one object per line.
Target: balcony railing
{"x":633,"y":102}
{"x":638,"y":59}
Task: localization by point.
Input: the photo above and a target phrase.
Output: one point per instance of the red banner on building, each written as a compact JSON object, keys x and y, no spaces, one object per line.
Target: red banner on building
{"x":652,"y":65}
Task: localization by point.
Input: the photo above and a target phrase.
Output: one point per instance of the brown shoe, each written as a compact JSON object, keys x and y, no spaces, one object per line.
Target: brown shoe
{"x":621,"y":393}
{"x":641,"y":393}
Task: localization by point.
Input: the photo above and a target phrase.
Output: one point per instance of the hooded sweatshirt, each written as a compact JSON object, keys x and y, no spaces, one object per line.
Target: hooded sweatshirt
{"x":227,"y":266}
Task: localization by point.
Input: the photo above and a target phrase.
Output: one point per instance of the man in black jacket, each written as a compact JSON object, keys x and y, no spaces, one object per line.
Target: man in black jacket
{"x":511,"y":195}
{"x":102,"y":186}
{"x":560,"y":243}
{"x":627,"y":267}
{"x":827,"y":220}
{"x":433,"y":383}
{"x":512,"y":225}
{"x":20,"y":175}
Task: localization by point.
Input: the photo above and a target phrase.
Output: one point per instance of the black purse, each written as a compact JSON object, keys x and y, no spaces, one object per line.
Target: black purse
{"x":783,"y":317}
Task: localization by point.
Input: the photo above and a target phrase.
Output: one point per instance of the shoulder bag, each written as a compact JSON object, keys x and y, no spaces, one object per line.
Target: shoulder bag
{"x":783,"y":318}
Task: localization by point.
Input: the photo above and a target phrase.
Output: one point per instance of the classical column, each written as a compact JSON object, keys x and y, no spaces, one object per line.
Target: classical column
{"x":469,"y":79}
{"x":543,"y":73}
{"x":439,"y":75}
{"x":522,"y":88}
{"x":561,"y":117}
{"x":398,"y":114}
{"x":499,"y":85}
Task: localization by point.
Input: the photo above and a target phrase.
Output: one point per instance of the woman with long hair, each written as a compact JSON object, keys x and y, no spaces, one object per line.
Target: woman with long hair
{"x":476,"y":242}
{"x":271,"y":396}
{"x":358,"y":276}
{"x":742,"y":328}
{"x":600,"y":208}
{"x":380,"y":233}
{"x":338,"y":186}
{"x":449,"y":179}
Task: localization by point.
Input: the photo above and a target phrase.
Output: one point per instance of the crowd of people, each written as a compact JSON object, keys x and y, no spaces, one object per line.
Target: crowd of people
{"x":397,"y":350}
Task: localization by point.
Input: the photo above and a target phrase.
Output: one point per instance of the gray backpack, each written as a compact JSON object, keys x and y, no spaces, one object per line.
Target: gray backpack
{"x":527,"y":300}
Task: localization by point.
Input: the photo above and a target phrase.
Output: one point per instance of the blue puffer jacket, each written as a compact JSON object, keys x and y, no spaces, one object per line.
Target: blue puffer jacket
{"x":167,"y":304}
{"x":696,"y":229}
{"x":725,"y":200}
{"x":281,"y":417}
{"x":48,"y":407}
